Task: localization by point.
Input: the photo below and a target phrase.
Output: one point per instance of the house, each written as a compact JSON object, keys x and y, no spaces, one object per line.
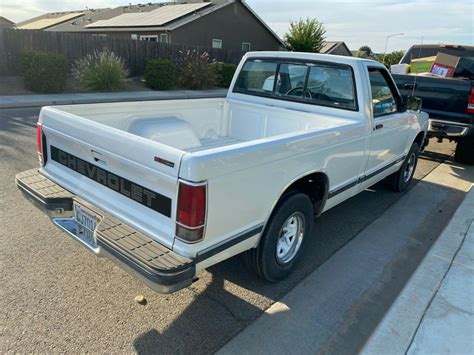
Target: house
{"x":336,"y":47}
{"x":6,"y":23}
{"x":228,"y":24}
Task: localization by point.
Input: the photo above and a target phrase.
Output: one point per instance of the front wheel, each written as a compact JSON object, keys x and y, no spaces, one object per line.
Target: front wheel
{"x":400,"y":180}
{"x":282,"y":242}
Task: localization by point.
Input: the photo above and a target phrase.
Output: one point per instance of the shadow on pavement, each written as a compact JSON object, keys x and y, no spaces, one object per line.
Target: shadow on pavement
{"x":434,"y":156}
{"x":221,"y":284}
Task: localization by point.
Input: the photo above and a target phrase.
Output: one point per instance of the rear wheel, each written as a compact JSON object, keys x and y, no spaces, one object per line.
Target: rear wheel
{"x":465,"y":150}
{"x":400,"y":180}
{"x":282,"y":241}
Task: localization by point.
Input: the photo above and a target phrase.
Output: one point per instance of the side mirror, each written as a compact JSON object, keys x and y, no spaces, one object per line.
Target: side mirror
{"x":414,"y":103}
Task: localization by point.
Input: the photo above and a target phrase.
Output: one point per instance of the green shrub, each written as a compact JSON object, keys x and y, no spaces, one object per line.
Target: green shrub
{"x":195,"y":70}
{"x":160,"y":74}
{"x":224,"y":73}
{"x":100,"y":71}
{"x":44,"y":72}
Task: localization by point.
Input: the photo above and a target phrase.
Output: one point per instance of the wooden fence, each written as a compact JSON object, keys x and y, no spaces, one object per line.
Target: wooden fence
{"x":77,"y":45}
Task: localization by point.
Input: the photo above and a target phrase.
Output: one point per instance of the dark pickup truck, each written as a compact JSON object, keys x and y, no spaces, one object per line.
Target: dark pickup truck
{"x":448,"y":101}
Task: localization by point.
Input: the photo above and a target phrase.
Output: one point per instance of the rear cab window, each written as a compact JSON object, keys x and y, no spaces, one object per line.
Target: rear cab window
{"x":316,"y":83}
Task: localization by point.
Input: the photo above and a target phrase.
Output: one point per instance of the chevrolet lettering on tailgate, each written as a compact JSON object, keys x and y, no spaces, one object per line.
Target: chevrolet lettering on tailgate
{"x":142,"y":195}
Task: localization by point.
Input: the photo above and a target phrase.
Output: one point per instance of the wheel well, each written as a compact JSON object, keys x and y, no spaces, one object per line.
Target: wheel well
{"x":316,"y":186}
{"x":419,"y":139}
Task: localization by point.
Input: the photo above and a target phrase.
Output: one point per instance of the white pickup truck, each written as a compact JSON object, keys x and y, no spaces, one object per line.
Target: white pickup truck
{"x":168,"y":188}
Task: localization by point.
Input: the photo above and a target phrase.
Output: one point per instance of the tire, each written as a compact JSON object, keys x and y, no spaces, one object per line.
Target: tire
{"x":465,"y":151}
{"x":400,"y":180}
{"x":295,"y":213}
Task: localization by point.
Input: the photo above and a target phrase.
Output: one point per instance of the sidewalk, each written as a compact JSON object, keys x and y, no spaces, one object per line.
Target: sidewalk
{"x":360,"y":293}
{"x":21,"y":101}
{"x":435,"y":312}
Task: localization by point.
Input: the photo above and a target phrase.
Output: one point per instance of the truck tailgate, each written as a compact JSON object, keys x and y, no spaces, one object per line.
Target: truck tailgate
{"x":128,"y":176}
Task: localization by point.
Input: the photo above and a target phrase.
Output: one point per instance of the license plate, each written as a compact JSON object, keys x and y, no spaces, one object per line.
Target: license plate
{"x":86,"y":221}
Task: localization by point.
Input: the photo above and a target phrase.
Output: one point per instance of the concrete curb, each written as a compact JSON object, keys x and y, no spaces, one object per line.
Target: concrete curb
{"x":24,"y":101}
{"x":399,"y":328}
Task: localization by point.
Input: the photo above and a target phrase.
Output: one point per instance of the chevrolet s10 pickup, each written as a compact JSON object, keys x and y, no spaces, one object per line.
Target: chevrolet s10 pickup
{"x":168,"y":188}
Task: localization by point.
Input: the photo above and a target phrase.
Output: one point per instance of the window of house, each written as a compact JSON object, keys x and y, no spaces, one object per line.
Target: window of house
{"x":164,"y":38}
{"x":149,"y":38}
{"x":322,"y":84}
{"x":245,"y":46}
{"x":384,"y":100}
{"x":134,"y":36}
{"x":216,"y":43}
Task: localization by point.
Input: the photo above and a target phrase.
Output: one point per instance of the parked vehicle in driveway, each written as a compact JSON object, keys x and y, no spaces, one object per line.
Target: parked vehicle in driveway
{"x":448,"y":101}
{"x":168,"y":188}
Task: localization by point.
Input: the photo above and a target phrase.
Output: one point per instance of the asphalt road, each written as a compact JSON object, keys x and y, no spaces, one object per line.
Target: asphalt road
{"x":56,"y":296}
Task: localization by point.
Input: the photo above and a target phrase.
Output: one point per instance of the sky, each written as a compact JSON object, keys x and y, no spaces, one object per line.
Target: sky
{"x":357,"y":23}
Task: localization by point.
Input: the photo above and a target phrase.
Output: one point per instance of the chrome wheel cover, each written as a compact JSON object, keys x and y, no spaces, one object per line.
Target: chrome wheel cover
{"x":409,"y":168}
{"x":290,"y":238}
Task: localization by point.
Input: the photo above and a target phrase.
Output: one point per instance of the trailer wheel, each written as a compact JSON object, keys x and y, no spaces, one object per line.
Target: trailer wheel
{"x":283,"y":239}
{"x":465,"y":150}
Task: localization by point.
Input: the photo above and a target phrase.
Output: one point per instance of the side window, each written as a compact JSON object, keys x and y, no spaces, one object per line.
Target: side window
{"x":383,"y":97}
{"x":217,"y":43}
{"x":331,"y":85}
{"x":245,"y":46}
{"x":149,"y":38}
{"x":164,"y":38}
{"x":257,"y":77}
{"x":290,"y":80}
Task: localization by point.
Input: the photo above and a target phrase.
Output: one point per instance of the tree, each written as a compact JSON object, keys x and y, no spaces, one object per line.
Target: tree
{"x":366,"y":49}
{"x":305,"y":36}
{"x":391,"y":58}
{"x":365,"y":52}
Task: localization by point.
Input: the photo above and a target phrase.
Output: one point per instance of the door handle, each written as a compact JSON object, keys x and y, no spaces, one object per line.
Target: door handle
{"x":378,"y":126}
{"x":409,"y":86}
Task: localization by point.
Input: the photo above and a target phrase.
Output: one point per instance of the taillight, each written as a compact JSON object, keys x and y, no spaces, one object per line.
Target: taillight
{"x":39,"y":142}
{"x":470,"y":103}
{"x":191,"y":211}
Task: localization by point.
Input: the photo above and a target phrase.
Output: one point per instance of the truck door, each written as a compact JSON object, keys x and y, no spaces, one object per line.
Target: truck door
{"x":390,"y":126}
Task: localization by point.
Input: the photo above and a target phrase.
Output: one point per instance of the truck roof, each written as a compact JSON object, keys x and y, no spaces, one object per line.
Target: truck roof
{"x":309,"y":56}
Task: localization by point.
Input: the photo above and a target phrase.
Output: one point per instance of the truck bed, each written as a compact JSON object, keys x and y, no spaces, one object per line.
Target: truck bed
{"x":200,"y":124}
{"x":443,"y":98}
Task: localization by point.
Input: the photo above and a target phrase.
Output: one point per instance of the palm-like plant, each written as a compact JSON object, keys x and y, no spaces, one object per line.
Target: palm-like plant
{"x":100,"y":71}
